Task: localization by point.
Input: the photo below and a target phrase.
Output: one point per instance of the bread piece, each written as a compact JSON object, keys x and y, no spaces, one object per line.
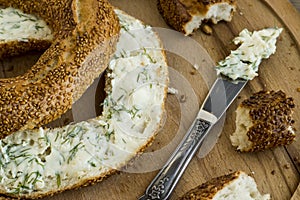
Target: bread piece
{"x":84,"y":35}
{"x":40,"y":162}
{"x":264,"y":121}
{"x":234,"y":186}
{"x":187,"y":15}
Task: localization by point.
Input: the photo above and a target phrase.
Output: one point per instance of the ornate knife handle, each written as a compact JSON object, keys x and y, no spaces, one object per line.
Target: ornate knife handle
{"x":165,"y":181}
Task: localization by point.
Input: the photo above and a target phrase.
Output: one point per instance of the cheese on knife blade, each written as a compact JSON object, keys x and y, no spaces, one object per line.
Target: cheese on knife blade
{"x":243,"y":62}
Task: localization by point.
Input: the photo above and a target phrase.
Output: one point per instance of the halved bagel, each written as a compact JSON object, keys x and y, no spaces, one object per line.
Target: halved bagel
{"x":39,"y":162}
{"x":85,"y":33}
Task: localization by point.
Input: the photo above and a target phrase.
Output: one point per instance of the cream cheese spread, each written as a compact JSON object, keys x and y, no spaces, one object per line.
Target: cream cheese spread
{"x":243,"y":62}
{"x":43,"y":160}
{"x":18,"y":26}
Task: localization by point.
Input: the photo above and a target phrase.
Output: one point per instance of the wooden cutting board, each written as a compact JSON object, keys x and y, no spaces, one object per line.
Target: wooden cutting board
{"x":296,"y":195}
{"x":275,"y":171}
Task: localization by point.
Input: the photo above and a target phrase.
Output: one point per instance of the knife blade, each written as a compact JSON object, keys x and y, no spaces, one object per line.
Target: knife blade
{"x":211,"y":111}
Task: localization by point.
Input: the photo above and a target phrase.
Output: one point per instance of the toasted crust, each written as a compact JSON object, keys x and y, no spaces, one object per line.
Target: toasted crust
{"x":174,"y":13}
{"x":267,"y":122}
{"x":178,"y":13}
{"x":208,"y":189}
{"x":85,"y":33}
{"x":14,"y":48}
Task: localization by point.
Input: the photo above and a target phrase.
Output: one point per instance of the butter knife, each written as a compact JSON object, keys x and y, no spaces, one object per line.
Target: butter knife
{"x":219,"y":98}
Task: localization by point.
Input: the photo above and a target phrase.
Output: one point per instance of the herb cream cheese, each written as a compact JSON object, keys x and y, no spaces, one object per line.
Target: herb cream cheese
{"x":18,"y":26}
{"x":37,"y":162}
{"x":243,"y":62}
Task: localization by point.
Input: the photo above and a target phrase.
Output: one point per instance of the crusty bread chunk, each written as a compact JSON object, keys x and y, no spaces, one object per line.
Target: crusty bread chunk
{"x":187,"y":15}
{"x":264,"y":121}
{"x":234,"y":186}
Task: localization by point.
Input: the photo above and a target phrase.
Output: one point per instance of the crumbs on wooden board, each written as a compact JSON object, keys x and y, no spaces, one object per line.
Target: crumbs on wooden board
{"x":172,"y":90}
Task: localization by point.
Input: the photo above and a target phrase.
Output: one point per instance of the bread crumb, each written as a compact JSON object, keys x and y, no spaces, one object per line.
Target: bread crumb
{"x":298,"y":89}
{"x":273,"y":172}
{"x":286,"y":166}
{"x":296,"y":160}
{"x":172,"y":90}
{"x":182,"y":98}
{"x":207,"y":29}
{"x":196,"y":66}
{"x":192,"y":73}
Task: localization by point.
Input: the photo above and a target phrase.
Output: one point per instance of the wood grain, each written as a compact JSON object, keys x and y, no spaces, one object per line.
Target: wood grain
{"x":276,"y":171}
{"x":296,"y":195}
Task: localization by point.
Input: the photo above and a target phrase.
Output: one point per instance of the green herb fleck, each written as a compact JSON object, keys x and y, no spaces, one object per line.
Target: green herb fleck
{"x":37,"y":27}
{"x":143,"y":75}
{"x":16,"y":26}
{"x":149,"y":57}
{"x":58,"y":180}
{"x":108,"y":135}
{"x":92,"y":163}
{"x":74,"y":151}
{"x":133,"y":111}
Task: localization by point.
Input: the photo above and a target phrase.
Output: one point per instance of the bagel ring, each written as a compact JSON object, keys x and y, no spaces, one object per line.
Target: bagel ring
{"x":42,"y":162}
{"x":85,"y":33}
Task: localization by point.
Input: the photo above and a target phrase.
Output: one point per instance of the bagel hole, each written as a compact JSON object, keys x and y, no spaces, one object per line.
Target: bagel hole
{"x":18,"y":65}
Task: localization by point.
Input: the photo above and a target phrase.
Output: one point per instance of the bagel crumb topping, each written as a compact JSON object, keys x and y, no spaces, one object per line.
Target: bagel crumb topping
{"x":40,"y":161}
{"x":17,"y":25}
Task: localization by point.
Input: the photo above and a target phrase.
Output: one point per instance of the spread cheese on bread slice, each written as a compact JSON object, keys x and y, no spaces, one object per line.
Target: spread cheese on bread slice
{"x":17,"y":25}
{"x":40,"y":162}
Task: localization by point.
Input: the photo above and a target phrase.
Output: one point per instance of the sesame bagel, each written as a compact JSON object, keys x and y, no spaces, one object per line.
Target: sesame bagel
{"x":84,"y":34}
{"x":40,"y":162}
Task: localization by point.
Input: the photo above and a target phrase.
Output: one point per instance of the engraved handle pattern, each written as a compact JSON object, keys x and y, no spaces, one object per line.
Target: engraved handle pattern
{"x":166,"y":180}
